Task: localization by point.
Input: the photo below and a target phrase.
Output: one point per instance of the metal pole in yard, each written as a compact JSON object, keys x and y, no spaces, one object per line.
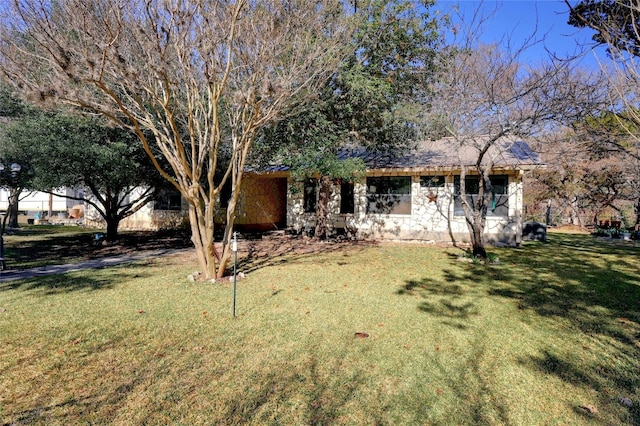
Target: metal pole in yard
{"x":234,"y":248}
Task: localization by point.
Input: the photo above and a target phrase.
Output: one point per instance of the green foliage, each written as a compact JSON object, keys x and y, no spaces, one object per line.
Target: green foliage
{"x":10,"y":105}
{"x":367,"y":102}
{"x":64,"y":150}
{"x":616,"y":23}
{"x":68,"y":150}
{"x":612,"y":130}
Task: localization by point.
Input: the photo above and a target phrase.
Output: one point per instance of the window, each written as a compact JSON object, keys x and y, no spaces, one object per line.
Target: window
{"x":499,"y":204}
{"x":347,"y":204}
{"x":431,"y":181}
{"x":310,"y":195}
{"x":389,"y":195}
{"x":225,"y":194}
{"x":168,"y":200}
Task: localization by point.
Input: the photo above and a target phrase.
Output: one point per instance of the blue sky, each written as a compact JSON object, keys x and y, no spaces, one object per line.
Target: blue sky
{"x":517,"y":19}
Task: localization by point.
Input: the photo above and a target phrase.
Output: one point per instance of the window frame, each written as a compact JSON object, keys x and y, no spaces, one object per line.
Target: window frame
{"x":168,"y":198}
{"x":499,"y":206}
{"x":347,"y":198}
{"x":310,"y":195}
{"x":391,"y":197}
{"x":427,"y":182}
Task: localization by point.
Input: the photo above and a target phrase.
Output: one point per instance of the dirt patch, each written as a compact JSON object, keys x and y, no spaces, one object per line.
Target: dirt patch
{"x":569,"y":229}
{"x":42,"y":247}
{"x":262,"y":250}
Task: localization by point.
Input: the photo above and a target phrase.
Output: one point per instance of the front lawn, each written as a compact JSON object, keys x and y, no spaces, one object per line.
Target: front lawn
{"x":550,"y":335}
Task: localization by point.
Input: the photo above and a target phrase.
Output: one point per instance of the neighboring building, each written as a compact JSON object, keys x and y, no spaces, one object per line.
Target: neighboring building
{"x":168,"y":211}
{"x":41,"y":203}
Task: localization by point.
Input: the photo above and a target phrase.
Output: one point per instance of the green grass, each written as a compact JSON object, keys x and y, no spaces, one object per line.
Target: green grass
{"x":532,"y":340}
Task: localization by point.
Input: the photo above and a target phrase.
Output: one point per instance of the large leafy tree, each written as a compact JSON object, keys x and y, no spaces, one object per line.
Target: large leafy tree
{"x":615,"y":22}
{"x":16,"y":181}
{"x":367,"y":103}
{"x":66,"y":150}
{"x":193,"y":79}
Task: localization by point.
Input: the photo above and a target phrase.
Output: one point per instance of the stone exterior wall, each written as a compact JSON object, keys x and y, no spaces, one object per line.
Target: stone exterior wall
{"x":432,"y":215}
{"x":274,"y":201}
{"x":145,"y":219}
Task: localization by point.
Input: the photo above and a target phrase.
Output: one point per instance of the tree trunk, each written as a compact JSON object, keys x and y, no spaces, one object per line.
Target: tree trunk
{"x":637,"y":209}
{"x":477,"y":240}
{"x":12,"y":210}
{"x":324,"y":194}
{"x":112,"y":228}
{"x":202,"y":236}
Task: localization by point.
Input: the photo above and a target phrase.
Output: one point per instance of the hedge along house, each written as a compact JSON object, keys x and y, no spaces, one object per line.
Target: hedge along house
{"x":413,"y":196}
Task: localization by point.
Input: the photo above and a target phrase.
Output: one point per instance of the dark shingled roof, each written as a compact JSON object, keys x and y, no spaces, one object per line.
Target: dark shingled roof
{"x":445,"y":153}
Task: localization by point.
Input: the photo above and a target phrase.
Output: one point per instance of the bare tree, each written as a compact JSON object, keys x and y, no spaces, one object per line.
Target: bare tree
{"x":486,"y":100}
{"x":200,"y":77}
{"x":615,"y":23}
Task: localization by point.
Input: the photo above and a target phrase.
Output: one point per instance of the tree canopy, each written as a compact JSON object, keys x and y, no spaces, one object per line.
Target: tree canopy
{"x":68,"y":150}
{"x":194,"y":80}
{"x":370,"y":101}
{"x":615,"y":22}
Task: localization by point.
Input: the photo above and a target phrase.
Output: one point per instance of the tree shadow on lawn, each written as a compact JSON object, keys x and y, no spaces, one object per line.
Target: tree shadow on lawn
{"x":270,"y":251}
{"x":70,"y":410}
{"x":325,"y":390}
{"x":87,"y":280}
{"x":592,"y":284}
{"x":51,"y":248}
{"x":322,"y":389}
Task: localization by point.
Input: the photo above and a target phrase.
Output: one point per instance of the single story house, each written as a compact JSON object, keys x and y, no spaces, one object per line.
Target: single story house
{"x":411,"y":196}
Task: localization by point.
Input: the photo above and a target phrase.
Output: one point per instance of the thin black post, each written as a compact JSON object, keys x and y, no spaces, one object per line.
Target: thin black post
{"x":234,"y":248}
{"x":2,"y":264}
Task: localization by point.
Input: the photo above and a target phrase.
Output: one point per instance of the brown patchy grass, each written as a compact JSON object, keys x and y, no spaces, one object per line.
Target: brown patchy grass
{"x":544,"y":337}
{"x":569,"y":229}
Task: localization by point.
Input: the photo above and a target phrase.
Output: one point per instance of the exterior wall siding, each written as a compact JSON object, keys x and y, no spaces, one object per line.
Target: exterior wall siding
{"x":431,"y":219}
{"x":40,"y":201}
{"x":262,"y":204}
{"x":274,"y":202}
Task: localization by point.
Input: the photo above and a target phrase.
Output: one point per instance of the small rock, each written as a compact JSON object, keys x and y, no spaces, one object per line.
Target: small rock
{"x":191,"y":278}
{"x":240,"y":274}
{"x":625,"y":401}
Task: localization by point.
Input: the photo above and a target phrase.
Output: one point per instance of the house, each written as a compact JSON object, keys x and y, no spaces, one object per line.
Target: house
{"x":167,"y":211}
{"x":410,"y":196}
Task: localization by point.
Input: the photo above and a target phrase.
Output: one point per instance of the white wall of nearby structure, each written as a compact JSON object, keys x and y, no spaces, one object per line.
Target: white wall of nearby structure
{"x":32,"y":202}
